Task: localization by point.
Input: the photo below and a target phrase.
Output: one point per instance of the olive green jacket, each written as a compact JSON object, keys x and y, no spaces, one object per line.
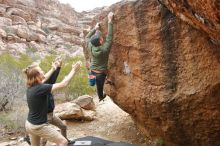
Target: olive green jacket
{"x":100,"y":54}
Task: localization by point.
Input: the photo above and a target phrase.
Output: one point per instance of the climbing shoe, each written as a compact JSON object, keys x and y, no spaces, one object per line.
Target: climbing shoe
{"x":102,"y":98}
{"x":109,"y":82}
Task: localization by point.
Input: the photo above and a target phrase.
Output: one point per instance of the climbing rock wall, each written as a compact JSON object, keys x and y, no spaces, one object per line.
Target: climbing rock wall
{"x":202,"y":14}
{"x":166,"y":72}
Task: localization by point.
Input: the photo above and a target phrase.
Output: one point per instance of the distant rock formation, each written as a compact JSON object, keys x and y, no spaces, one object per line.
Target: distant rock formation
{"x":41,"y":27}
{"x":165,"y":68}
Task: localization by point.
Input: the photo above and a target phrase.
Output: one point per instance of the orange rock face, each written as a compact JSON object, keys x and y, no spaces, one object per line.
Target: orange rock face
{"x":202,"y":14}
{"x":166,"y":73}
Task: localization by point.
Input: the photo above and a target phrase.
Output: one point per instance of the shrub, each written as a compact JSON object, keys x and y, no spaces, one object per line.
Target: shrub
{"x":12,"y":91}
{"x":13,"y":87}
{"x":31,"y":50}
{"x":12,"y":83}
{"x":79,"y":84}
{"x":7,"y":121}
{"x":68,"y":46}
{"x":52,"y":51}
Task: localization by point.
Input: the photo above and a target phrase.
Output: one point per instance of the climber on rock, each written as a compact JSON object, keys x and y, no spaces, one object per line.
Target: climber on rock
{"x":100,"y":50}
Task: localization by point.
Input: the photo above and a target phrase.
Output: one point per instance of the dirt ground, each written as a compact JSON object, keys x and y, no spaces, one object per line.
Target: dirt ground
{"x":111,"y":123}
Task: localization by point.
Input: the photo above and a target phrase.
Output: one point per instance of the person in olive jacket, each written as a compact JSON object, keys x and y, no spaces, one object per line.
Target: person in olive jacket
{"x":99,"y":50}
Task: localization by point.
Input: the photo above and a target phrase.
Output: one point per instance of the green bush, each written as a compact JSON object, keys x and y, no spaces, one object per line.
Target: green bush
{"x":6,"y":120}
{"x":31,"y":50}
{"x":68,"y":46}
{"x":13,"y":62}
{"x":78,"y":85}
{"x":13,"y":82}
{"x":52,"y":51}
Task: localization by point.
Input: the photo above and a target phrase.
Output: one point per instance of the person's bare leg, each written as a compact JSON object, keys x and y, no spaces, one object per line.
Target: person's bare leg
{"x":61,"y":141}
{"x":35,"y":140}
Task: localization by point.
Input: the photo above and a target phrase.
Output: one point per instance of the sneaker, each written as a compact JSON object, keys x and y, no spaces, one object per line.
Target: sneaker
{"x":71,"y":142}
{"x":27,"y":139}
{"x":100,"y":99}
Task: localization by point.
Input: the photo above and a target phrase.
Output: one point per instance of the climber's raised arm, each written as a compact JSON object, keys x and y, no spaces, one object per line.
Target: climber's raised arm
{"x":108,"y":41}
{"x":92,"y":32}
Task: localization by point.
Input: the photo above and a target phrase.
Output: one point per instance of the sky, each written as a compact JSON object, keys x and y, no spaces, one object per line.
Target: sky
{"x":84,"y":5}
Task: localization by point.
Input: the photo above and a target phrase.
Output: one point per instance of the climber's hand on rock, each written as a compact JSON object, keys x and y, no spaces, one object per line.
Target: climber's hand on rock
{"x":110,"y":16}
{"x":97,"y":26}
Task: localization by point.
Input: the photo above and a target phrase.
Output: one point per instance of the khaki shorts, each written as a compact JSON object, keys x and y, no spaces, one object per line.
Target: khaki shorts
{"x":54,"y":120}
{"x":44,"y":130}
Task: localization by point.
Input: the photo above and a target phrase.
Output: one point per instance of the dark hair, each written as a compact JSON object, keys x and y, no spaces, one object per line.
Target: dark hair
{"x":95,"y":39}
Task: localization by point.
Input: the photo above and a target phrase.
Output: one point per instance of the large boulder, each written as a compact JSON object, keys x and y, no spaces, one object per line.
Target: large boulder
{"x":69,"y":29}
{"x":18,"y":12}
{"x":3,"y":34}
{"x":202,"y":14}
{"x":165,"y":73}
{"x":72,"y":111}
{"x":55,"y":39}
{"x":29,"y":3}
{"x":52,"y":23}
{"x":2,"y":10}
{"x":33,"y":36}
{"x":85,"y":102}
{"x":12,"y":38}
{"x":37,"y":29}
{"x":23,"y":32}
{"x":68,"y":111}
{"x":53,"y":26}
{"x":41,"y":38}
{"x":17,"y":48}
{"x":9,"y":2}
{"x":16,"y":20}
{"x":2,"y":46}
{"x":35,"y":46}
{"x":71,"y":38}
{"x":5,"y":21}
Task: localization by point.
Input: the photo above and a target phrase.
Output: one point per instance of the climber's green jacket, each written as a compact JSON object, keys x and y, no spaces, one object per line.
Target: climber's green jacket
{"x":100,"y":54}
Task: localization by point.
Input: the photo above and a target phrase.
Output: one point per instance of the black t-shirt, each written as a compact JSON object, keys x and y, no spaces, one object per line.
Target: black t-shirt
{"x":37,"y":103}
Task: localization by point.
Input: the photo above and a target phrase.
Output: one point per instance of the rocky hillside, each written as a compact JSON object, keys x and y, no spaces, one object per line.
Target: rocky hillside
{"x":41,"y":27}
{"x":165,"y":67}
